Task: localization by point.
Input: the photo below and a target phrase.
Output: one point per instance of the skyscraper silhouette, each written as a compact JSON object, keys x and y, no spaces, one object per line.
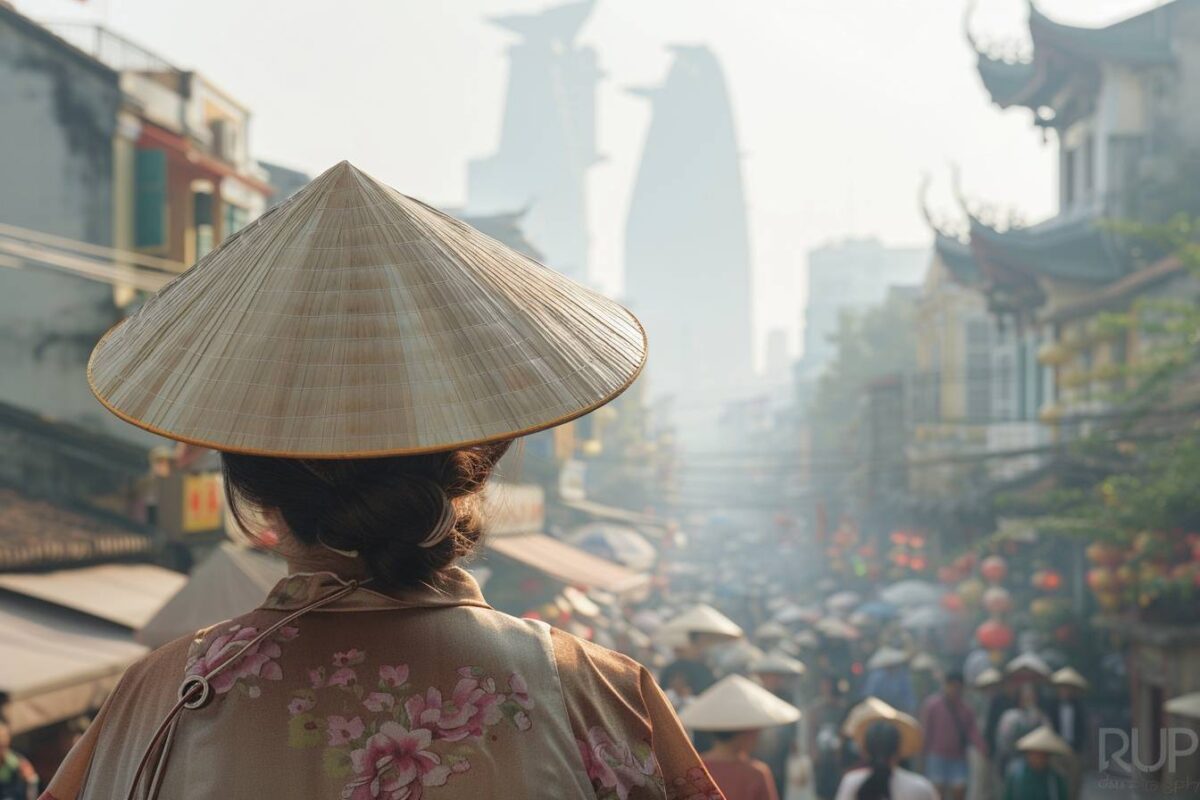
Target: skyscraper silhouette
{"x":687,"y":248}
{"x":547,"y":137}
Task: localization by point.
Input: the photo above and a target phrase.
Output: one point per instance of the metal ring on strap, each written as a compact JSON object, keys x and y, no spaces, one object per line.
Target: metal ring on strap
{"x":188,"y":686}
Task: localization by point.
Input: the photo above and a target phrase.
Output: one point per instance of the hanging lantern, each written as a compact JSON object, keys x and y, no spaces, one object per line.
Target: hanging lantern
{"x":1104,"y":554}
{"x":1047,"y":580}
{"x":953,"y":603}
{"x":1041,"y":608}
{"x":965,"y":563}
{"x":971,"y":590}
{"x":993,"y":569}
{"x":994,"y":635}
{"x":918,"y":563}
{"x":997,"y":600}
{"x":947,"y":575}
{"x":1101,"y":579}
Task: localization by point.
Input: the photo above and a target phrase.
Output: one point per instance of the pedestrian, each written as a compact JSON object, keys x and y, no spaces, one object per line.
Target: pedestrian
{"x":885,"y":737}
{"x":1018,"y":721}
{"x":735,"y":711}
{"x":1032,"y":776}
{"x":889,"y":679}
{"x":950,"y":731}
{"x":823,"y":722}
{"x":1070,"y":719}
{"x":994,"y":699}
{"x":18,"y":781}
{"x":362,"y":362}
{"x":701,"y":629}
{"x":779,"y":674}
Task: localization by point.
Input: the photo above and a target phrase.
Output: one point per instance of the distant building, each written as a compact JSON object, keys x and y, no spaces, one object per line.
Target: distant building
{"x":284,"y":182}
{"x":687,"y":247}
{"x":547,"y":137}
{"x":850,"y":277}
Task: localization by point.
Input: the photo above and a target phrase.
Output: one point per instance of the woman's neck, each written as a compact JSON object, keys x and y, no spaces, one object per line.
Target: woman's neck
{"x":727,"y":751}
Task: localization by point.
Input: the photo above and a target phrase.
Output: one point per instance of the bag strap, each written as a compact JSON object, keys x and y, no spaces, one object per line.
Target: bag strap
{"x":196,"y":692}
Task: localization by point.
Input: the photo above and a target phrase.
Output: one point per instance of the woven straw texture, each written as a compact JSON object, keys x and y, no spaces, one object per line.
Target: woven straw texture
{"x":354,"y":321}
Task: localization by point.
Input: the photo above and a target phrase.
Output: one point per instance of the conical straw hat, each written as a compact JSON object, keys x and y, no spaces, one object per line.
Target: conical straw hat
{"x":1069,"y":676}
{"x":778,"y":663}
{"x":872,"y":710}
{"x":702,"y":619}
{"x":1186,"y":705}
{"x":353,"y":321}
{"x":1028,"y":665}
{"x":988,"y":678}
{"x":887,"y":656}
{"x":737,"y":704}
{"x":1043,"y":740}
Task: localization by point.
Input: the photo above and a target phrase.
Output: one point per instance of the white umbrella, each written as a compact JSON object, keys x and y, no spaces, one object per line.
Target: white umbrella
{"x":924,"y":618}
{"x":618,"y":543}
{"x":912,"y":592}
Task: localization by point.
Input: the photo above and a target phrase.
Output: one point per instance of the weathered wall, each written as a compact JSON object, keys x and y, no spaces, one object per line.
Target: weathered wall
{"x":56,"y":176}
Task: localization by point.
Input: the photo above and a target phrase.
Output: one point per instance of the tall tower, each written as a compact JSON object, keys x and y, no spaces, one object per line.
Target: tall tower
{"x":687,"y":248}
{"x":547,"y":137}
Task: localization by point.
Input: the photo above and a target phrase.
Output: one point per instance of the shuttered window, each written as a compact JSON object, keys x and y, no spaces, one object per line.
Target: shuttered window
{"x":150,"y":199}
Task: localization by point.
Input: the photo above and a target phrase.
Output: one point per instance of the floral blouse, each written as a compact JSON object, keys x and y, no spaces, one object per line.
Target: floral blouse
{"x":428,"y":694}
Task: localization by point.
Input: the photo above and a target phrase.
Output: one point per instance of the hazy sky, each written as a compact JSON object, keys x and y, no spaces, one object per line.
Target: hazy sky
{"x":841,"y":105}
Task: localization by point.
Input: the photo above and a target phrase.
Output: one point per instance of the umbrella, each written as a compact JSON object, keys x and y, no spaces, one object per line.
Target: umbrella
{"x":912,"y":592}
{"x":1186,"y":705}
{"x":842,"y":601}
{"x":879,"y":609}
{"x":924,"y":618}
{"x":835,"y":628}
{"x":617,"y":543}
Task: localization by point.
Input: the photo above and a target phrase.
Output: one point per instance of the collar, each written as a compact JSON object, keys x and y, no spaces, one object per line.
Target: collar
{"x":453,"y":587}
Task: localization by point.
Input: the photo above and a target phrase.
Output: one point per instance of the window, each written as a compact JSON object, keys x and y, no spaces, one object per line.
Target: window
{"x":202,"y":215}
{"x":1089,"y":166}
{"x":236,"y":218}
{"x":150,"y":199}
{"x":1068,"y":178}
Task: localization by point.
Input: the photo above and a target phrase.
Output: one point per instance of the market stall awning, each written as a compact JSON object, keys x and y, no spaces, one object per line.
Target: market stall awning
{"x":601,"y":511}
{"x":566,"y":563}
{"x":56,"y":663}
{"x":125,"y":594}
{"x":230,"y":582}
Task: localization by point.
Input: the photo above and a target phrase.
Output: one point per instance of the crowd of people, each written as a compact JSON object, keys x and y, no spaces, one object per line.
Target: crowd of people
{"x":808,"y":706}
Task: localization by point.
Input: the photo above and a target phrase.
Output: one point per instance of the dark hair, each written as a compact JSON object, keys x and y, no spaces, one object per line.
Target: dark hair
{"x":381,"y":507}
{"x":954,"y":676}
{"x":724,"y":736}
{"x":880,"y":746}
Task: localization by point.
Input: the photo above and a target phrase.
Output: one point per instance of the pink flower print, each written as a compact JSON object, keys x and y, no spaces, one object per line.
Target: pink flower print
{"x":522,"y":721}
{"x":395,"y":764}
{"x":614,"y":765}
{"x":379,"y":701}
{"x":424,"y":710}
{"x":349,"y":658}
{"x":299,"y":705}
{"x":471,"y":708}
{"x":257,"y":661}
{"x":343,"y":731}
{"x":393,"y":676}
{"x":287,"y":633}
{"x":343,"y":677}
{"x":520,"y":691}
{"x":316,"y":677}
{"x":695,"y":785}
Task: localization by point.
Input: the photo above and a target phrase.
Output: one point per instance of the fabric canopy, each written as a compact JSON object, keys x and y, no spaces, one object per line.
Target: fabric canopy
{"x":127,"y":594}
{"x":231,"y":581}
{"x":57,"y":663}
{"x":567,"y":564}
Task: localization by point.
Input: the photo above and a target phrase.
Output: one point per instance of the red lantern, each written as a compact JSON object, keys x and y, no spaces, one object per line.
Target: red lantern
{"x":918,"y":563}
{"x":993,"y":569}
{"x":952,"y":602}
{"x":947,"y":575}
{"x":1104,"y":554}
{"x":916,"y":540}
{"x":1101,"y":579}
{"x":899,"y":538}
{"x":997,"y":600}
{"x":1047,"y":580}
{"x":994,"y":635}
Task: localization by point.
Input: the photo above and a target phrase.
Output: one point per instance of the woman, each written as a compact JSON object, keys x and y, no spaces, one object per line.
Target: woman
{"x":883,"y":778}
{"x":363,"y":361}
{"x":735,"y":712}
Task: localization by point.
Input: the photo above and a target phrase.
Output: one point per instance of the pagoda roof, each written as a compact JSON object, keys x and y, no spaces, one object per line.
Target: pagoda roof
{"x":1063,"y":54}
{"x":1074,"y":249}
{"x":958,"y":259}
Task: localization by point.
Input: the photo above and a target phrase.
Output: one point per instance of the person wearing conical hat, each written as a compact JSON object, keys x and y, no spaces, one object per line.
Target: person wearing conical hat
{"x":780,"y":675}
{"x":362,"y":362}
{"x":735,"y":711}
{"x":1025,"y":716}
{"x":885,"y":736}
{"x":698,"y":631}
{"x":1033,"y":777}
{"x":889,"y":679}
{"x":1070,"y":719}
